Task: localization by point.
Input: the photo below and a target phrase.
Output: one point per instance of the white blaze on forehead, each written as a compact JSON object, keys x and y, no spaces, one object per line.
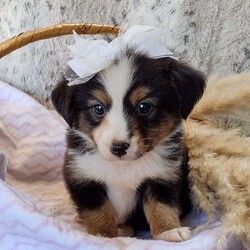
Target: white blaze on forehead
{"x":116,"y":79}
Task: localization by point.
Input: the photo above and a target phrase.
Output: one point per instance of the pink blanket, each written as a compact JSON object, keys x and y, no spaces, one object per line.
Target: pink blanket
{"x":36,"y":212}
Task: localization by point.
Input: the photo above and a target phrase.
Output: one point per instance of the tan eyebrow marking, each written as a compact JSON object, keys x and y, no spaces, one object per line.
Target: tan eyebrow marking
{"x":138,"y":94}
{"x":102,"y":97}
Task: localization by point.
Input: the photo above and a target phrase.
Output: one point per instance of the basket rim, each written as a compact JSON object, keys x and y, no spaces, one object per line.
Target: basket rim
{"x":28,"y":37}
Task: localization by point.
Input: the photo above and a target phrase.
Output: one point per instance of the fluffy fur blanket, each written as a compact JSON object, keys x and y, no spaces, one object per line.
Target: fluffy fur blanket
{"x":212,"y":35}
{"x":219,"y":157}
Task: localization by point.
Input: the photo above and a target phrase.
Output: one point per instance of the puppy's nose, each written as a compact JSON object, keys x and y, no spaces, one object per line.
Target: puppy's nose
{"x":119,"y":148}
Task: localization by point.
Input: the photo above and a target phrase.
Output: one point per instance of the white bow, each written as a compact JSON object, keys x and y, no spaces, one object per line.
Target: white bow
{"x":92,"y":56}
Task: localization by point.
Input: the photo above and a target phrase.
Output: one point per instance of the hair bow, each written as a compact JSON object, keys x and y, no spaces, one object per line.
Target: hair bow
{"x":92,"y":56}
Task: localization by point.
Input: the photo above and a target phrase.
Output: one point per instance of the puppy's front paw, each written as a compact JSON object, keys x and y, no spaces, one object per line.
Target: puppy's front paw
{"x":175,"y":235}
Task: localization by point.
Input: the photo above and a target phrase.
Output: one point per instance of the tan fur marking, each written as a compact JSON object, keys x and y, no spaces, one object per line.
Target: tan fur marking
{"x":101,"y":221}
{"x":102,"y":97}
{"x":163,"y":130}
{"x":138,"y":94}
{"x":141,"y":143}
{"x":155,"y":135}
{"x":161,"y":217}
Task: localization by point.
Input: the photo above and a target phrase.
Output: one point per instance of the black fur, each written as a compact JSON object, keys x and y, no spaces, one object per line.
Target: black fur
{"x":176,"y":149}
{"x":62,"y":98}
{"x":78,"y":143}
{"x":189,"y":84}
{"x":86,"y":194}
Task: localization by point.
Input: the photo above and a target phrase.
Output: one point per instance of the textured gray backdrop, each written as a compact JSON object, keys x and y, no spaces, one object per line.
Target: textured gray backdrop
{"x":213,"y":36}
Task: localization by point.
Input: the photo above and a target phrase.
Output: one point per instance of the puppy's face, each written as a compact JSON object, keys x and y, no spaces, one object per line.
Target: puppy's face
{"x":132,"y":106}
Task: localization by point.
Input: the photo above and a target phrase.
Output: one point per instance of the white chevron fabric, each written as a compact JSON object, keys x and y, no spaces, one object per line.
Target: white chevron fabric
{"x":35,"y":209}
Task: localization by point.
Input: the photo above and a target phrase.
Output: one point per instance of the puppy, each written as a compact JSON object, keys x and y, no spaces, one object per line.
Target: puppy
{"x":126,"y":163}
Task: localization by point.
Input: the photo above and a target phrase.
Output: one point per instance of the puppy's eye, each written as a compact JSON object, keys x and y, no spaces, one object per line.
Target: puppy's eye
{"x":144,"y":108}
{"x":99,"y":110}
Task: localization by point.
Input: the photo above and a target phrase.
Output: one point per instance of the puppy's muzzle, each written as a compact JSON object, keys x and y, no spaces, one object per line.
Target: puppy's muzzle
{"x":119,"y":148}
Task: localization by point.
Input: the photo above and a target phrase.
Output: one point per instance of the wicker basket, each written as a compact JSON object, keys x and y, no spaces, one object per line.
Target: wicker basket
{"x":25,"y":38}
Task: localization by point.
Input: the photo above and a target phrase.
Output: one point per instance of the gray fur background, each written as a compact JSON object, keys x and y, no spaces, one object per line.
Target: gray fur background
{"x":213,"y":36}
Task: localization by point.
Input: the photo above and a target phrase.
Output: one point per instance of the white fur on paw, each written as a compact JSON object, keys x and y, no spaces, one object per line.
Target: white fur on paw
{"x":175,"y":235}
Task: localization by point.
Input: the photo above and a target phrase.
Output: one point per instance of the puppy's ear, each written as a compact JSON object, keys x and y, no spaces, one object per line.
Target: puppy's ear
{"x":189,"y":84}
{"x":62,"y":100}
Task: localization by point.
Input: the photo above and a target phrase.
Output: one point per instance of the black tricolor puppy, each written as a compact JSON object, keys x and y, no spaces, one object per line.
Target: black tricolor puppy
{"x":126,"y":163}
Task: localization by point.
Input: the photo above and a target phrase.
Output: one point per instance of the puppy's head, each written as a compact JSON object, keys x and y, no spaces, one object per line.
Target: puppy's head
{"x":132,"y":106}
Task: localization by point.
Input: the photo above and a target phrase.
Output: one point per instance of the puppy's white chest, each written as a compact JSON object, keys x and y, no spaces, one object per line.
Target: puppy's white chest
{"x":121,"y":178}
{"x":123,"y":201}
